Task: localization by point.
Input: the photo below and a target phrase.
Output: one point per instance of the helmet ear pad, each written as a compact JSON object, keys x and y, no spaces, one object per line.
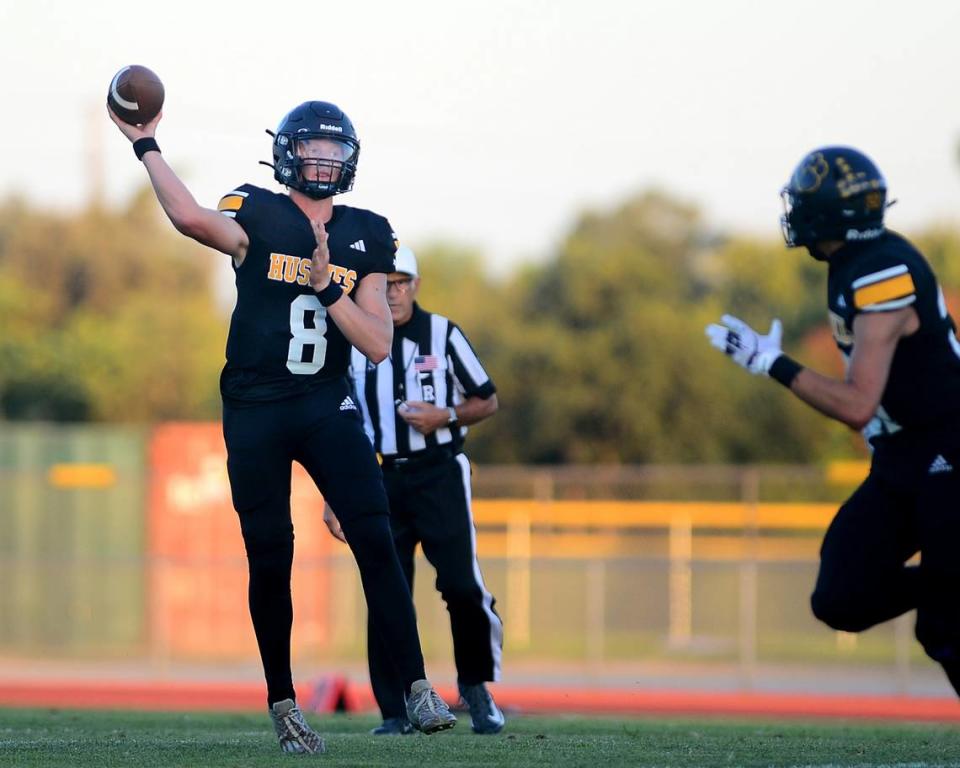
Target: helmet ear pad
{"x":314,"y":120}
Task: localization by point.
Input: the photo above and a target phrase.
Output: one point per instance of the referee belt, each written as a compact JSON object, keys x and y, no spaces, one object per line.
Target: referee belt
{"x":426,"y":458}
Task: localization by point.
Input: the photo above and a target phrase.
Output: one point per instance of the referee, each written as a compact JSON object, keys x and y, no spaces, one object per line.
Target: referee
{"x":416,"y":406}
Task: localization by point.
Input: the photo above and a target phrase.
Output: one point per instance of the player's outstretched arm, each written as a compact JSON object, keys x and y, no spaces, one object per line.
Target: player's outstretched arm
{"x":366,"y":323}
{"x":204,"y":225}
{"x":855,"y":400}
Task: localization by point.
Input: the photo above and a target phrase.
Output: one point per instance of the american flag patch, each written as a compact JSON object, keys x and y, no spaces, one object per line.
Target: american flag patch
{"x":423,"y":363}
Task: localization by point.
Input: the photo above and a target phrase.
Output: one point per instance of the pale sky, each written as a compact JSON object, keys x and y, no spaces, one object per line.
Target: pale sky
{"x":494,"y":123}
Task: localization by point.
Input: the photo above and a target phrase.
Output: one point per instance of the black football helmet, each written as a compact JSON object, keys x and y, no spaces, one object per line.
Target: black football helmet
{"x":334,"y":157}
{"x":835,"y":193}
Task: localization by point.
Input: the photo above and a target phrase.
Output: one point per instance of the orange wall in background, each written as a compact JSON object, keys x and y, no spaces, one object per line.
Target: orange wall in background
{"x":198,"y":573}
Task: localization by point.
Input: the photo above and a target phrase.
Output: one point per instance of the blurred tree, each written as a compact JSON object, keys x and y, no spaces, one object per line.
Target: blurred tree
{"x":106,"y":316}
{"x":599,"y":353}
{"x":455,"y":282}
{"x":602,"y":357}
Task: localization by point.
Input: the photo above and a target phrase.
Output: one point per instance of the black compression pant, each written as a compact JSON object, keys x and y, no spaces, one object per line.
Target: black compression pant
{"x":262,"y":442}
{"x":910,"y":503}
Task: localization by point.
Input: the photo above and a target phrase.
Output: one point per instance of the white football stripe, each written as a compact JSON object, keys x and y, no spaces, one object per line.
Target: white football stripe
{"x":117,"y":97}
{"x":886,"y":306}
{"x":876,"y":277}
{"x":468,"y":359}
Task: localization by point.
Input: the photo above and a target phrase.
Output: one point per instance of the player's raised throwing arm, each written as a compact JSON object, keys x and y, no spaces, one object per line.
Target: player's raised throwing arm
{"x":204,"y":225}
{"x":366,"y":323}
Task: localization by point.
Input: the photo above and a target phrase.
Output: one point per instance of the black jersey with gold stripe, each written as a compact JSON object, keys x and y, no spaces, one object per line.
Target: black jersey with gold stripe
{"x":884,"y":275}
{"x":282,"y":342}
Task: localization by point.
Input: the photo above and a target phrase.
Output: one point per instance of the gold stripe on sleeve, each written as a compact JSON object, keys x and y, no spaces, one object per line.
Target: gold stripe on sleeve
{"x":886,"y":290}
{"x":230,"y":203}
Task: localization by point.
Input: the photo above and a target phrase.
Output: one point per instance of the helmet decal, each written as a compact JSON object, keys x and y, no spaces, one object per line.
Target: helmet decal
{"x":810,"y":173}
{"x":853,"y":182}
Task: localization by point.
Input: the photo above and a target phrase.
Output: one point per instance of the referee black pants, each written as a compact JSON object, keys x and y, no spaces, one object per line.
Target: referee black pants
{"x":321,"y":430}
{"x":430,"y":505}
{"x":909,"y":503}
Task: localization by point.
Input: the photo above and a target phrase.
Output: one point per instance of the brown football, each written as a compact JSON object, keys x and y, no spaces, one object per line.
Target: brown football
{"x":135,"y":95}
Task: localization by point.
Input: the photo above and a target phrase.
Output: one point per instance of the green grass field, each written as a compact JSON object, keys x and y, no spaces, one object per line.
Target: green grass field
{"x":48,"y":738}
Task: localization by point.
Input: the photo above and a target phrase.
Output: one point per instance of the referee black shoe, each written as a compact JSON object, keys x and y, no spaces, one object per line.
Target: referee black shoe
{"x":393,"y":726}
{"x":485,"y":714}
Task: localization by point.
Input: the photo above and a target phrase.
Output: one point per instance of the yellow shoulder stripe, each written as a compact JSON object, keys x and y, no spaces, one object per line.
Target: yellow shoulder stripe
{"x":885,"y":290}
{"x":230,"y":203}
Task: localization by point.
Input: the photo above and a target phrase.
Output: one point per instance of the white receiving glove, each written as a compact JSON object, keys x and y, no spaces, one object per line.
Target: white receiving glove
{"x":748,"y":348}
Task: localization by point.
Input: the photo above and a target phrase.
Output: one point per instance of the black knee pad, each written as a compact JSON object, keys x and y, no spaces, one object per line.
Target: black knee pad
{"x":271,"y":559}
{"x":939,"y":634}
{"x":837,"y":612}
{"x":263,"y":533}
{"x":370,"y":539}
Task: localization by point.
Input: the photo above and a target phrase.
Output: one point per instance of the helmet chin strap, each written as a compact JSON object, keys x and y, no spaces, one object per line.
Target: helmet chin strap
{"x":318,"y":195}
{"x":821,"y":253}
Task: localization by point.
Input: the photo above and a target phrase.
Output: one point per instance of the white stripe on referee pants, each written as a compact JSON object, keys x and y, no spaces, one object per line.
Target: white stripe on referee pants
{"x":496,"y":627}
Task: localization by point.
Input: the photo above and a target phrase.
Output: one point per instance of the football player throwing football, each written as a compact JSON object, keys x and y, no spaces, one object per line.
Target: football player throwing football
{"x":311,"y":283}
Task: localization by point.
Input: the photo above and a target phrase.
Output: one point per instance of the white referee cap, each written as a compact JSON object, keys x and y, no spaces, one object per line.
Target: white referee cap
{"x":405,"y":261}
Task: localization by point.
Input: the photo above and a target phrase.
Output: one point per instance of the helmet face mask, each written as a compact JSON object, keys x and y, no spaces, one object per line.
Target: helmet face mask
{"x":315,"y":150}
{"x":834,"y":194}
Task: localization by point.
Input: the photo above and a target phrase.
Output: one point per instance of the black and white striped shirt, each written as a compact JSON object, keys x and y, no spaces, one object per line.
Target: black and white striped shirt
{"x":430,"y":360}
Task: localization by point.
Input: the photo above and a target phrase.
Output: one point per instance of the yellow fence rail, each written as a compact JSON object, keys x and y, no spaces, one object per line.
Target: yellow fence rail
{"x":576,"y":529}
{"x":567,"y":514}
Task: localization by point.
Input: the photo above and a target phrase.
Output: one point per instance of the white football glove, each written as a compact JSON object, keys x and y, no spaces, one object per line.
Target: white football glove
{"x":748,"y":348}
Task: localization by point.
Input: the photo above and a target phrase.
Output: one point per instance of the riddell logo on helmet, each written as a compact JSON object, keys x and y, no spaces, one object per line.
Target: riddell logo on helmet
{"x":334,"y":128}
{"x":864,"y":234}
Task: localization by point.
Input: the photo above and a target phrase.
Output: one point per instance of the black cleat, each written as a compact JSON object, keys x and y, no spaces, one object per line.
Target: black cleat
{"x":295,"y":735}
{"x":484,"y":712}
{"x":393,"y":726}
{"x":426,"y":711}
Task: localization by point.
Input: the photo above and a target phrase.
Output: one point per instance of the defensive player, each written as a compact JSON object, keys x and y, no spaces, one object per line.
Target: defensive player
{"x":901,"y":389}
{"x":311,"y":282}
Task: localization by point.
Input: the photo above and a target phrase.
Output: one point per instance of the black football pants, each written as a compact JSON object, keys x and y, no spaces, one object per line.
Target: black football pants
{"x":431,"y":506}
{"x":909,"y":503}
{"x":263,"y":440}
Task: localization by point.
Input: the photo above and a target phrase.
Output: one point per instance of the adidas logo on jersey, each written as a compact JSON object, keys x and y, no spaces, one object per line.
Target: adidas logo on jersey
{"x":940,"y":464}
{"x":359,"y":246}
{"x":841,"y":302}
{"x":348,"y":404}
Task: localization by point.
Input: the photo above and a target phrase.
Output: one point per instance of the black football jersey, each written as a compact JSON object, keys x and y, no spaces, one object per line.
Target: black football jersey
{"x":281,"y":342}
{"x":884,"y":275}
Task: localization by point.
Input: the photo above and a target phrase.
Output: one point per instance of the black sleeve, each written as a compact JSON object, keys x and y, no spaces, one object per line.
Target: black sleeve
{"x":467,"y":368}
{"x":385,"y":246}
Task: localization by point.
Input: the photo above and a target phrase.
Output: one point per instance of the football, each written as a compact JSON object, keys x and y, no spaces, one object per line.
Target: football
{"x":135,"y":95}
